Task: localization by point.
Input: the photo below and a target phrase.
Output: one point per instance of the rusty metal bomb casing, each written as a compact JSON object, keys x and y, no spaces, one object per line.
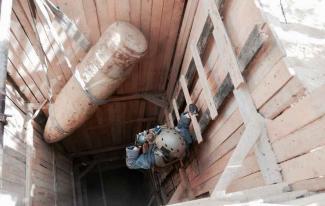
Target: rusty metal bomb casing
{"x":101,"y":72}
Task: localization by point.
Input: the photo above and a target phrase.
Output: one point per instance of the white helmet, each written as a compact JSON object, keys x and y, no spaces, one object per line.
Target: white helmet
{"x":171,"y":144}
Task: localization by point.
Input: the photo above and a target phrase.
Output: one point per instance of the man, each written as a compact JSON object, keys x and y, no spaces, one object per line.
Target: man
{"x":161,"y":146}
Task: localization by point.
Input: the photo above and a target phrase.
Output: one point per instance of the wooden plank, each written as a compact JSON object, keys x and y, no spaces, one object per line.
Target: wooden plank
{"x":289,"y":94}
{"x":103,"y":13}
{"x":19,"y":41}
{"x":318,"y":199}
{"x":181,"y":44}
{"x":55,"y":71}
{"x":175,"y":109}
{"x":278,"y":76}
{"x":166,"y":29}
{"x":224,"y":44}
{"x":72,"y":37}
{"x":31,"y":43}
{"x":92,"y":20}
{"x":313,"y":185}
{"x":188,"y":99}
{"x":77,"y":14}
{"x":307,"y":110}
{"x":204,"y":83}
{"x":19,"y":81}
{"x":304,"y":167}
{"x":301,"y":141}
{"x":173,"y":25}
{"x":200,"y":35}
{"x":280,"y":198}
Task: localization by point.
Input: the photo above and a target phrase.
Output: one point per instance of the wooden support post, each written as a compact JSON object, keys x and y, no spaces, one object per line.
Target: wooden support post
{"x":5,"y":19}
{"x":175,"y":109}
{"x":102,"y":185}
{"x":188,"y":99}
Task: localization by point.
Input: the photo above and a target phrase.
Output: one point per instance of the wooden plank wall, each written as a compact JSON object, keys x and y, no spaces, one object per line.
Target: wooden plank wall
{"x":14,"y":156}
{"x":293,"y":108}
{"x":34,"y":173}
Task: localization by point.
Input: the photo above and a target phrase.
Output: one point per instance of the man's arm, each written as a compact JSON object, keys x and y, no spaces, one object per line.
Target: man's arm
{"x":135,"y":160}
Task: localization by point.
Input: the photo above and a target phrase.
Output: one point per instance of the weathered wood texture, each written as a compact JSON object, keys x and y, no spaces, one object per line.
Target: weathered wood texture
{"x":283,"y":92}
{"x":159,"y":21}
{"x":34,"y":173}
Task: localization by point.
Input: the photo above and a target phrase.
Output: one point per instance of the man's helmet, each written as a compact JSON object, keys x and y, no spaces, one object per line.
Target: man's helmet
{"x":171,"y":144}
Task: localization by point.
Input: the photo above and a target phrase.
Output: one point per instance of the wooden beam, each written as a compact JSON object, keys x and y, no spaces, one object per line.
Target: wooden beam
{"x":188,"y":67}
{"x":175,"y":107}
{"x":204,"y":82}
{"x":254,"y":122}
{"x":188,"y":99}
{"x":251,"y":46}
{"x":97,"y":151}
{"x":157,"y":98}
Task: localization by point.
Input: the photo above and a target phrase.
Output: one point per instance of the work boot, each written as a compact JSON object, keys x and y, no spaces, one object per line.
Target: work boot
{"x":193,"y":109}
